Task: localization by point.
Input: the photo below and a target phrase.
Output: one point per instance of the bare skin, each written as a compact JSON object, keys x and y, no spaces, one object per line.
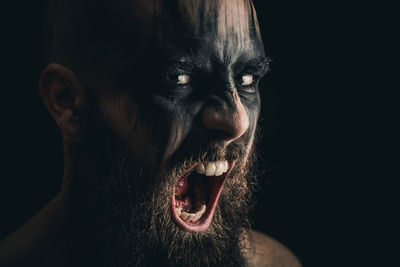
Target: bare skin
{"x":41,"y":240}
{"x":265,"y":251}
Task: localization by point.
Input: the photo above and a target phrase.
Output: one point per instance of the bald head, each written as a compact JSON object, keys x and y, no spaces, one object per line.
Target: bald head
{"x":83,"y":32}
{"x":226,"y":24}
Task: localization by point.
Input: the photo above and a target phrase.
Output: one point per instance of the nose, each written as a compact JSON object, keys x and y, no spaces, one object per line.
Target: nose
{"x":231,"y":123}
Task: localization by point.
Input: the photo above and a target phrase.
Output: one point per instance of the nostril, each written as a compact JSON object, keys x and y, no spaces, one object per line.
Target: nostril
{"x":227,"y":125}
{"x":218,"y":134}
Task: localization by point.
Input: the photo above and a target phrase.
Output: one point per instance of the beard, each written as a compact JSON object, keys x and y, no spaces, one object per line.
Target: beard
{"x":119,"y":206}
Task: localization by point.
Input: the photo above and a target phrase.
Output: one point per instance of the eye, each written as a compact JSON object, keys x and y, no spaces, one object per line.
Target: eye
{"x":247,"y":79}
{"x":183,"y":79}
{"x":178,"y":79}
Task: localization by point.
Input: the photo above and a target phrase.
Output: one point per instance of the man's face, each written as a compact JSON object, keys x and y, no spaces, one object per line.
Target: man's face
{"x":177,"y":115}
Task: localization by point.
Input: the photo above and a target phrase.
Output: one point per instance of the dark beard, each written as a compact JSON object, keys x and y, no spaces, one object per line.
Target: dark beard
{"x":119,"y":216}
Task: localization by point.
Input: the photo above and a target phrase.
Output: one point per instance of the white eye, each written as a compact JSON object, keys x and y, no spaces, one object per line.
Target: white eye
{"x":247,"y":79}
{"x":183,"y":79}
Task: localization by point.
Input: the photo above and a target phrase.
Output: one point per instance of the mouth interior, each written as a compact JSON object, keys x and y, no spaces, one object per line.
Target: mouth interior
{"x":191,"y":192}
{"x":196,"y":195}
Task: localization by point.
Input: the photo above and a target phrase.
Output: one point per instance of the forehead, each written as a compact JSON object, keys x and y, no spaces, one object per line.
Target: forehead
{"x":226,"y":29}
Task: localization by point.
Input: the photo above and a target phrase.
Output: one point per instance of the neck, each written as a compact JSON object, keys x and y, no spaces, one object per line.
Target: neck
{"x":40,"y":240}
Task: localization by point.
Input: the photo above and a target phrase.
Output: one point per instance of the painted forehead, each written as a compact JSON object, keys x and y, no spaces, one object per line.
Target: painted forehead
{"x":225,"y":26}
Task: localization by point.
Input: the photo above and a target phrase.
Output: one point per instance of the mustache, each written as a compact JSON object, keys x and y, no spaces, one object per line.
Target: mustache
{"x":191,"y":152}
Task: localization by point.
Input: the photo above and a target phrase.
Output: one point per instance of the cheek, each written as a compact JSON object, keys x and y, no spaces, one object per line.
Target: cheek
{"x":177,"y":123}
{"x":122,"y":115}
{"x":179,"y":129}
{"x":249,"y":147}
{"x":253,"y":112}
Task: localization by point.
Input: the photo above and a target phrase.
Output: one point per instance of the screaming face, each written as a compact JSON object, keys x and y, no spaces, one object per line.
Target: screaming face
{"x":167,"y":139}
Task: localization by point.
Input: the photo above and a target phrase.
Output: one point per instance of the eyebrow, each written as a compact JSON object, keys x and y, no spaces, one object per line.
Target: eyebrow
{"x":179,"y":65}
{"x":258,"y":66}
{"x":185,"y":62}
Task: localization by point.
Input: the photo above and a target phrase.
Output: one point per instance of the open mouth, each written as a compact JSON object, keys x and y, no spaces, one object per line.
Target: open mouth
{"x":196,"y":194}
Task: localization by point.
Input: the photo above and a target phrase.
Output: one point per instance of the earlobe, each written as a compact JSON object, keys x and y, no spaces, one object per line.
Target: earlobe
{"x":63,"y":96}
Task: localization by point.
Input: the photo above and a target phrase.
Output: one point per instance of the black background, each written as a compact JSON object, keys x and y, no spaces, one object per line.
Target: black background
{"x":322,"y":120}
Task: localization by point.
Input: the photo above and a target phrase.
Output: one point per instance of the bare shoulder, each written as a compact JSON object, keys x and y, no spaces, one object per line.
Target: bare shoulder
{"x":262,"y":250}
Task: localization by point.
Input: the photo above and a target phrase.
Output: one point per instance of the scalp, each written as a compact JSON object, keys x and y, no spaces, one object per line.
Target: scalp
{"x":226,"y":26}
{"x":79,"y":29}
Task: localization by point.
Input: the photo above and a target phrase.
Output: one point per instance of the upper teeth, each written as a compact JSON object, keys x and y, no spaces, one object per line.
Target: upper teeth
{"x":212,"y":168}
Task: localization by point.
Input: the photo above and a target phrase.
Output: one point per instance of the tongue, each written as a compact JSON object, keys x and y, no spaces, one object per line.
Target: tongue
{"x":184,"y":204}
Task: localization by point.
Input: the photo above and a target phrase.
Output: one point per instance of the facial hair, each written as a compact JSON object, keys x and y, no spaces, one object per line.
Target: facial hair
{"x":117,"y":217}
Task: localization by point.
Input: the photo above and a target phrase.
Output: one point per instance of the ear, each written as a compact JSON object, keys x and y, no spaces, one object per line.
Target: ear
{"x":63,"y":96}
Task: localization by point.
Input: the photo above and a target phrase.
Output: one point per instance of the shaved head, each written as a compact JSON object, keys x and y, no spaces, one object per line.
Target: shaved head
{"x":80,"y":33}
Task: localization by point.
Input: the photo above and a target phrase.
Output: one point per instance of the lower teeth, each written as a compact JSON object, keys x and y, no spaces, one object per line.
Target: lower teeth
{"x":191,"y":217}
